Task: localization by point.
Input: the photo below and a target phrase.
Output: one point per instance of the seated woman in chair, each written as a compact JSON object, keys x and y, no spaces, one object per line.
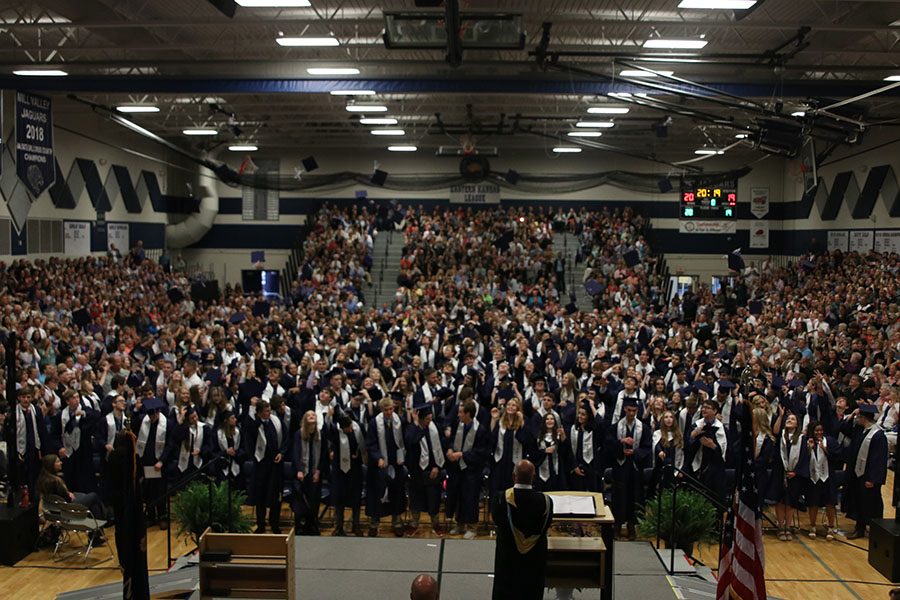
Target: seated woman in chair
{"x":49,"y":483}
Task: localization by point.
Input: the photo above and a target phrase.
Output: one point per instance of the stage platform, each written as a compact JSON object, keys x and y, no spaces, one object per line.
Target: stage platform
{"x":330,"y":567}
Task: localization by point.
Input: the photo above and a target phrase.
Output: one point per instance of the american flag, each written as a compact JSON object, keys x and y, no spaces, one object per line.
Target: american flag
{"x":742,"y":561}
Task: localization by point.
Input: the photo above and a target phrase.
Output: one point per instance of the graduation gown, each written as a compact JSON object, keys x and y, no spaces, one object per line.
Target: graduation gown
{"x":515,"y":445}
{"x":346,"y":487}
{"x":709,"y":463}
{"x":586,"y":449}
{"x":860,"y":502}
{"x":464,"y":476}
{"x":385,"y":487}
{"x":425,"y":492}
{"x":628,"y":471}
{"x":78,"y":467}
{"x":523,"y":517}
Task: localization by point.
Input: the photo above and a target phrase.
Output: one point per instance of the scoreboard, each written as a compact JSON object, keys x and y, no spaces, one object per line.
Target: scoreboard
{"x":718,"y":202}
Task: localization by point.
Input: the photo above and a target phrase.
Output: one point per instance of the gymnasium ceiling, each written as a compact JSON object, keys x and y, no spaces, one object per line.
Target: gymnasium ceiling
{"x":202,"y":68}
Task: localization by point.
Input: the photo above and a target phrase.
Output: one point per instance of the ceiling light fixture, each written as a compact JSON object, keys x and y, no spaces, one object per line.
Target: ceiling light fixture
{"x":798,"y":113}
{"x":402,"y":148}
{"x":608,"y":110}
{"x":137,"y":108}
{"x":682,"y":44}
{"x":566,"y":150}
{"x":742,"y":136}
{"x":273,"y":3}
{"x":388,"y":132}
{"x":584,"y":134}
{"x":639,"y":73}
{"x":596,"y":124}
{"x":200,"y":131}
{"x":40,"y":73}
{"x":362,"y":108}
{"x":352,"y":93}
{"x":309,"y":42}
{"x":717,"y":4}
{"x":333,"y":71}
{"x":378,"y":121}
{"x":707,"y":151}
{"x":243,"y":148}
{"x":892,"y":78}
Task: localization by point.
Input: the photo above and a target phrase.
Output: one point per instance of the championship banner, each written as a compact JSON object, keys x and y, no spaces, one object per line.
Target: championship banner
{"x":862,"y":240}
{"x":759,"y":234}
{"x":118,"y":234}
{"x":707,"y":226}
{"x":887,"y":241}
{"x":34,"y":143}
{"x":77,"y":238}
{"x":475,"y":193}
{"x":759,"y":202}
{"x":838,"y":240}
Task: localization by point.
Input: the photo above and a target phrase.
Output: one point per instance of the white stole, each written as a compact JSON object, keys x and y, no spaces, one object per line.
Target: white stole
{"x":344,"y":443}
{"x":501,"y":442}
{"x":544,"y":469}
{"x":184,"y":455}
{"x":818,"y":463}
{"x":863,"y":456}
{"x":720,"y":438}
{"x":234,"y":467}
{"x":71,"y":441}
{"x":21,"y":439}
{"x":145,"y":432}
{"x":789,"y":459}
{"x":587,"y":444}
{"x":436,"y":453}
{"x":261,"y":440}
{"x":111,"y":427}
{"x":465,"y":445}
{"x":398,"y":438}
{"x":308,"y":463}
{"x":679,"y":452}
{"x":622,"y":429}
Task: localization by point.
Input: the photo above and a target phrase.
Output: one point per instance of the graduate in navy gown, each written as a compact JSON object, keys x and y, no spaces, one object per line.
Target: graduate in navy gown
{"x":866,"y":470}
{"x":709,"y":445}
{"x":631,"y":452}
{"x":763,"y":451}
{"x":76,"y":450}
{"x":821,"y":491}
{"x":346,"y":455}
{"x":511,"y":441}
{"x":386,"y":473}
{"x":586,"y":448}
{"x":470,"y":446}
{"x":31,"y":439}
{"x":426,"y":466}
{"x":308,"y":460}
{"x":551,"y":455}
{"x":153,"y":447}
{"x":229,"y":445}
{"x":790,"y":472}
{"x":668,"y":451}
{"x":267,"y":437}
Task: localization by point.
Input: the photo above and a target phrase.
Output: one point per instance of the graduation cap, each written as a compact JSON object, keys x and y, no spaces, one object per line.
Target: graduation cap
{"x":444,"y":393}
{"x":736,"y":261}
{"x":175,"y":295}
{"x":593,"y":287}
{"x":236,"y":318}
{"x":755,"y":307}
{"x":135,"y":379}
{"x":214,"y":377}
{"x":503,"y":241}
{"x":157,"y":357}
{"x":795,"y":383}
{"x":397,"y":396}
{"x":152,"y":404}
{"x":309,"y":164}
{"x":868,"y":409}
{"x":631,"y":257}
{"x":378,"y":177}
{"x":423,"y":409}
{"x":777,"y":381}
{"x":139,"y":354}
{"x":81,"y":317}
{"x":629,"y":403}
{"x":261,"y":309}
{"x":726,"y":385}
{"x":699,"y":386}
{"x":223,"y":416}
{"x":258,"y":256}
{"x":511,"y":177}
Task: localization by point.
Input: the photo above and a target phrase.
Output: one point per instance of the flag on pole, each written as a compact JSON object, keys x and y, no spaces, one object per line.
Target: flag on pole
{"x":742,"y":560}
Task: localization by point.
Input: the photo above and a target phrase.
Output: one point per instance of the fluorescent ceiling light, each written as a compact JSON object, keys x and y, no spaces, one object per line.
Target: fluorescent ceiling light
{"x":200,"y":131}
{"x":798,"y":113}
{"x":566,"y":150}
{"x":310,"y":42}
{"x":892,"y":78}
{"x":742,"y":136}
{"x":388,"y":132}
{"x":352,"y":93}
{"x":717,"y":4}
{"x":333,"y":71}
{"x":273,"y":3}
{"x":40,"y":73}
{"x":243,"y":148}
{"x":402,"y":148}
{"x":608,"y":110}
{"x":585,"y":134}
{"x":366,"y":108}
{"x":378,"y":121}
{"x":597,"y":124}
{"x":619,"y":94}
{"x":683,"y":44}
{"x":137,"y":108}
{"x":707,"y":151}
{"x":639,"y":73}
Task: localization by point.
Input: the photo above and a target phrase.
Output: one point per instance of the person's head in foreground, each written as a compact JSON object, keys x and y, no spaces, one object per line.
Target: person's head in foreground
{"x":424,"y":587}
{"x":523,"y":473}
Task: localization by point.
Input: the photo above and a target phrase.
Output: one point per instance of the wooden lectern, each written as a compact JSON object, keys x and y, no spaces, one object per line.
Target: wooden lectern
{"x":240,"y":565}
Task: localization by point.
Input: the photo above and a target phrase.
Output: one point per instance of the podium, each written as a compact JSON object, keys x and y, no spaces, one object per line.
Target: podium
{"x":240,"y":565}
{"x":583,"y":562}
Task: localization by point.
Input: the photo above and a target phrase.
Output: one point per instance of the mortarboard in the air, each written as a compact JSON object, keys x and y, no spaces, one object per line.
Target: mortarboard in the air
{"x":629,"y":403}
{"x":868,"y":409}
{"x":423,"y":409}
{"x":726,"y":385}
{"x":81,"y":317}
{"x":736,"y":261}
{"x":755,"y":307}
{"x":261,"y":309}
{"x":795,"y":383}
{"x":777,"y":381}
{"x":397,"y":396}
{"x":236,"y":318}
{"x":631,"y":257}
{"x":213,"y":376}
{"x":175,"y":295}
{"x":444,"y":393}
{"x":258,"y":256}
{"x":699,"y":386}
{"x":135,"y":379}
{"x":151,"y":404}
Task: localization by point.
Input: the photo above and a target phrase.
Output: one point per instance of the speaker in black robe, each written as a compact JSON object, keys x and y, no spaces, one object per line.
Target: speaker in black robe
{"x":523,"y":517}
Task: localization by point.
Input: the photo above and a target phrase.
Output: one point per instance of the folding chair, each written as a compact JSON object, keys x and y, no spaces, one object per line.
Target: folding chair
{"x":77,"y":518}
{"x":51,"y":511}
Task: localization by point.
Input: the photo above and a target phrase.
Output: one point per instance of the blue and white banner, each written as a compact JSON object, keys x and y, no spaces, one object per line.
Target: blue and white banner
{"x":34,"y":142}
{"x":475,"y":193}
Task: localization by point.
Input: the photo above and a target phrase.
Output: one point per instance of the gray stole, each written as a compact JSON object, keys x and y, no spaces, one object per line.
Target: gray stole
{"x":261,"y":441}
{"x":21,"y":438}
{"x":818,"y":463}
{"x":789,"y":459}
{"x":344,"y":443}
{"x":435,"y":439}
{"x":234,"y":467}
{"x":544,"y":470}
{"x":587,"y":444}
{"x":679,"y":452}
{"x":622,"y":430}
{"x":398,"y":438}
{"x":111,"y":427}
{"x":860,"y":468}
{"x":71,"y":441}
{"x":144,"y":432}
{"x":184,"y":455}
{"x":501,"y":442}
{"x":305,"y":462}
{"x":465,"y":446}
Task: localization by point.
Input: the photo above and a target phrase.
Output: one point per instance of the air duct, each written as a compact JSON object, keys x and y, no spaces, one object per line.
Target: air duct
{"x":196,"y":225}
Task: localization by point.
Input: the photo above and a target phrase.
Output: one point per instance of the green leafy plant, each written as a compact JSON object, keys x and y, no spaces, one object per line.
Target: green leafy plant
{"x":190,"y":510}
{"x":695,"y":519}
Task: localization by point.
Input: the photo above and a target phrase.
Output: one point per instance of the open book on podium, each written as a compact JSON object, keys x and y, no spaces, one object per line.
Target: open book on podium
{"x":571,"y":506}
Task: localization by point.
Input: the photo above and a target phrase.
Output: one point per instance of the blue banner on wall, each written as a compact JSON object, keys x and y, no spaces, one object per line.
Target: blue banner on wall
{"x":34,"y":142}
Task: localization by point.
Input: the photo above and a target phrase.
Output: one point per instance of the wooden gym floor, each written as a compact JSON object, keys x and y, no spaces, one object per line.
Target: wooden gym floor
{"x":795,"y":570}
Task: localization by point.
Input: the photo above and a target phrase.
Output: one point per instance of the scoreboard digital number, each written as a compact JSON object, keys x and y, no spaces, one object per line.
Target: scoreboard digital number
{"x":708,"y":202}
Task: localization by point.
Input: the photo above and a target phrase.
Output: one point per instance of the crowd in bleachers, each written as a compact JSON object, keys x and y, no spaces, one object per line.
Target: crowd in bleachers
{"x":424,"y":406}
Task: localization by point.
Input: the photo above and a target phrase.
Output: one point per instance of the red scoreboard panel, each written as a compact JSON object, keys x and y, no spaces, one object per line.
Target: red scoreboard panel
{"x":708,"y":202}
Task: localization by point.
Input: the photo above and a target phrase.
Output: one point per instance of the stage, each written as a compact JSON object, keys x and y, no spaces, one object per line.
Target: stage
{"x":333,"y":567}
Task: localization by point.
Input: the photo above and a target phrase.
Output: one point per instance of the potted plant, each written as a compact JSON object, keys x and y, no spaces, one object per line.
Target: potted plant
{"x":695,"y":519}
{"x":191,"y":507}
